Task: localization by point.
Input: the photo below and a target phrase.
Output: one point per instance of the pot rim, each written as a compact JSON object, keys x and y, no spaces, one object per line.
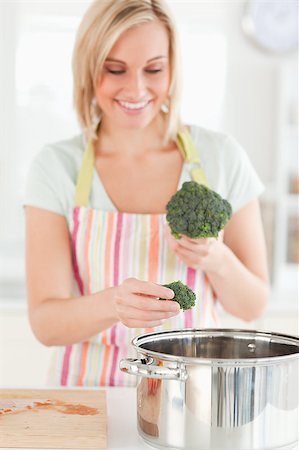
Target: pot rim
{"x":261,"y":361}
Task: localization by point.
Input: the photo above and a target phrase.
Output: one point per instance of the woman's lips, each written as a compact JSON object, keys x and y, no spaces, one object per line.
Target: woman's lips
{"x":133,"y":108}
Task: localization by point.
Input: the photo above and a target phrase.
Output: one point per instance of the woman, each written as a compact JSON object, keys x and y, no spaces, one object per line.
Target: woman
{"x":98,"y":246}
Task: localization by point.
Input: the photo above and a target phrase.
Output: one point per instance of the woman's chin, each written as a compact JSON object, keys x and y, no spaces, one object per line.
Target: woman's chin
{"x":136,"y":124}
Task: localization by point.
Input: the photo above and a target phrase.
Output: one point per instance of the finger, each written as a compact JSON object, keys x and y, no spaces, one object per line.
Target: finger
{"x":138,"y":314}
{"x":202,"y":239}
{"x":189,"y":257}
{"x":169,"y":234}
{"x":149,"y":288}
{"x":147,"y":303}
{"x":131,"y":323}
{"x":172,"y":242}
{"x":198,"y":241}
{"x":221,"y":235}
{"x":167,"y":228}
{"x":197,"y":250}
{"x":189,"y":264}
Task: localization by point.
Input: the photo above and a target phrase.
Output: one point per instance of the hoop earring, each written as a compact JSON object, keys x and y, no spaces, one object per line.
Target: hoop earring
{"x":95,"y":114}
{"x":165,"y":107}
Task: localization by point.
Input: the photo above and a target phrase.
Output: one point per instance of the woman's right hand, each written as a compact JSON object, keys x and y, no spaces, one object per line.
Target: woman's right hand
{"x":137,"y":303}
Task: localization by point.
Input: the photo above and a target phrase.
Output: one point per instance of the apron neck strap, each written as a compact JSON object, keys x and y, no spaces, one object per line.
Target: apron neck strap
{"x":84,"y":180}
{"x":190,"y":154}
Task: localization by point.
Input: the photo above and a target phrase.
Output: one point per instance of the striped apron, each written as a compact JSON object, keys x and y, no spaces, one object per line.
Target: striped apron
{"x":107,"y":248}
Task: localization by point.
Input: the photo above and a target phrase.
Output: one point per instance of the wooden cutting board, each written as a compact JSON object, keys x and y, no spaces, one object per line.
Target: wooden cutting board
{"x":46,"y":418}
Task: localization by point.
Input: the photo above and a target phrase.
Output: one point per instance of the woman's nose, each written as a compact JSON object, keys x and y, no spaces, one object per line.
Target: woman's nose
{"x":135,"y":88}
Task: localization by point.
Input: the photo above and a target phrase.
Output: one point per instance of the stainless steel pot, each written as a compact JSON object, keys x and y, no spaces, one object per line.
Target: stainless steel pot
{"x":213,"y":389}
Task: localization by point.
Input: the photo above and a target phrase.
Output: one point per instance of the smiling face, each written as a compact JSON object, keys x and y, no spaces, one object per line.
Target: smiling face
{"x":135,"y":78}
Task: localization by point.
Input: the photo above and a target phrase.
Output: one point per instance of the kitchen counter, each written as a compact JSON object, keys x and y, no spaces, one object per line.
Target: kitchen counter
{"x":121,"y":420}
{"x":122,"y":431}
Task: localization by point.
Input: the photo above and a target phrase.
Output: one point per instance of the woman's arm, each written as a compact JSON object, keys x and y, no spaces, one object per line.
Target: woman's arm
{"x":245,"y":267}
{"x":237,"y":267}
{"x":56,"y":317}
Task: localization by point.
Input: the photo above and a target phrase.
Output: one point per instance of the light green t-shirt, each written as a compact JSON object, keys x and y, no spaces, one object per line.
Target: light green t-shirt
{"x":53,"y":173}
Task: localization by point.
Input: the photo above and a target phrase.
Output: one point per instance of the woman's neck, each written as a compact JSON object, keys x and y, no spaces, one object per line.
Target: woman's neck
{"x":129,"y":142}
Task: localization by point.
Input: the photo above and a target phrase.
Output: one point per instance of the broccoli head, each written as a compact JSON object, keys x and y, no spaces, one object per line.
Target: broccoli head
{"x":182,"y":294}
{"x":197,"y":212}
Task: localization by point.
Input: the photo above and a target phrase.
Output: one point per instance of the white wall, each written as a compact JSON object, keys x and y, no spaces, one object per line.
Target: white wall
{"x":252,"y":79}
{"x":229,"y":84}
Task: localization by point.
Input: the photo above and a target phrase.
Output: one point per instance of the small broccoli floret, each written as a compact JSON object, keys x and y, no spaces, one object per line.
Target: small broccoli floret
{"x":182,"y":294}
{"x":197,"y":211}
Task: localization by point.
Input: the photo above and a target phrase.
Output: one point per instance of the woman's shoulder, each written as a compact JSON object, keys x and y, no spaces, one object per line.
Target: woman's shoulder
{"x":52,"y":175}
{"x":59,"y":160}
{"x":217,"y":145}
{"x":207,"y":137}
{"x":226,"y":165}
{"x":66,"y":153}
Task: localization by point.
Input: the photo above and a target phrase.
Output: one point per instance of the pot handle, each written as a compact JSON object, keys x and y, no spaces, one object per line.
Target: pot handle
{"x":144,"y":367}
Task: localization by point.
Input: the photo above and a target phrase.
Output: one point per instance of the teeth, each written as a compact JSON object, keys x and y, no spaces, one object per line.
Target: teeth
{"x":133,"y":105}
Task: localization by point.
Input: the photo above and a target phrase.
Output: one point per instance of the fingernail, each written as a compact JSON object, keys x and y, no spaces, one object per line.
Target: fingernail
{"x":171,"y":294}
{"x":175,"y":308}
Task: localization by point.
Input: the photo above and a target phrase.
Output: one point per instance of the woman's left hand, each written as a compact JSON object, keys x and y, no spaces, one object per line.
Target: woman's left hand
{"x":206,"y":254}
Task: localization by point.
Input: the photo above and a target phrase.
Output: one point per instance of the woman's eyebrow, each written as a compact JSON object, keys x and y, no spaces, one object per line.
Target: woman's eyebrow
{"x":123,"y":62}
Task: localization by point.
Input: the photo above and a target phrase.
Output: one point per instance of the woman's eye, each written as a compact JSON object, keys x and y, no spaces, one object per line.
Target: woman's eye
{"x":153,"y":70}
{"x":116,"y":72}
{"x":120,"y":72}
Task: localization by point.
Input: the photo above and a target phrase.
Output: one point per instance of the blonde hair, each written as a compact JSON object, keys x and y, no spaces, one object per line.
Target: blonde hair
{"x":100,"y":28}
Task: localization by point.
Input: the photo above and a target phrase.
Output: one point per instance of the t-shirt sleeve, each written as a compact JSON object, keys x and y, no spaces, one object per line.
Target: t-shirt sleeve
{"x":243,"y":182}
{"x":43,"y":188}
